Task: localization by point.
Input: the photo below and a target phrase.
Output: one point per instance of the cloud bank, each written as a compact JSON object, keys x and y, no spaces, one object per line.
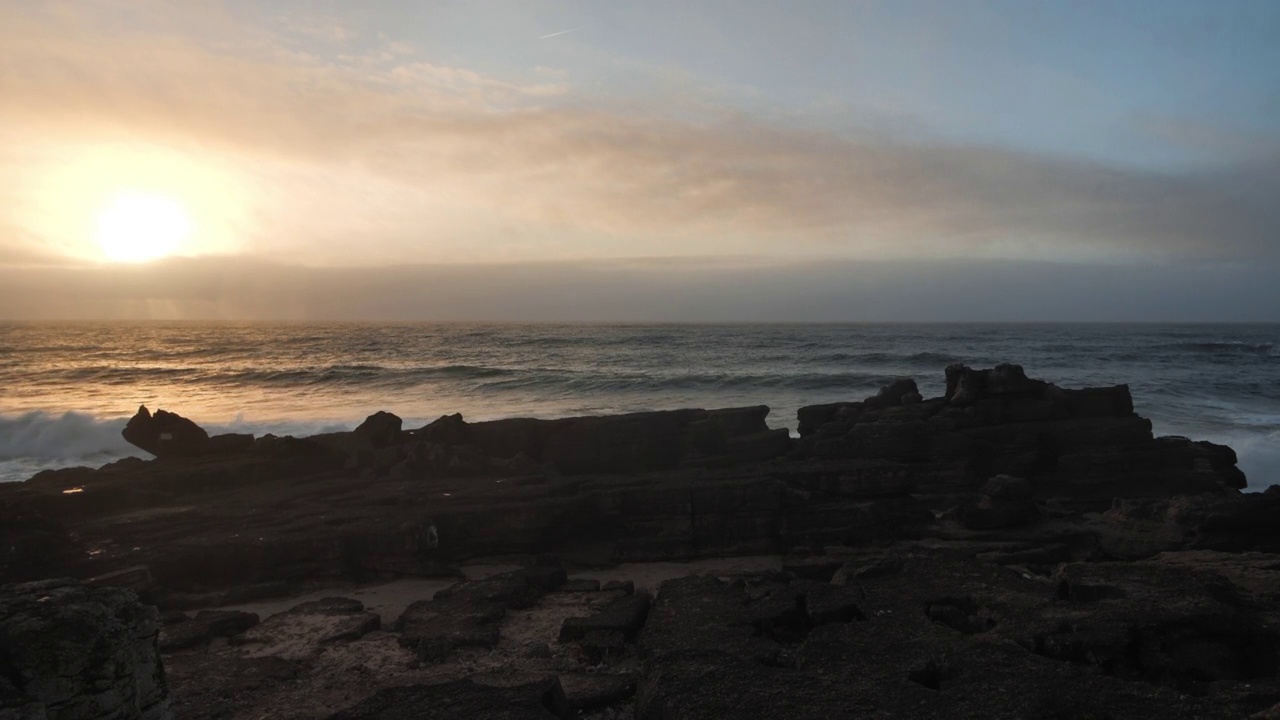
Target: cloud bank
{"x":679,"y":290}
{"x":369,"y":154}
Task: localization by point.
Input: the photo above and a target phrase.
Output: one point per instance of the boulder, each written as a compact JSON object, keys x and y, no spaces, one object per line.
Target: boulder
{"x":445,"y":430}
{"x":165,"y":434}
{"x":379,"y":430}
{"x":70,"y":651}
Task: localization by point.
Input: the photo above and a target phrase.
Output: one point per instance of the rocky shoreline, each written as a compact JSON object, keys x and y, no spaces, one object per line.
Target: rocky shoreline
{"x":1012,"y":549}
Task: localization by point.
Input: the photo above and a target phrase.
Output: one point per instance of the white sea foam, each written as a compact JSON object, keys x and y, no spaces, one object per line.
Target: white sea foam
{"x":35,"y":441}
{"x":1259,"y":458}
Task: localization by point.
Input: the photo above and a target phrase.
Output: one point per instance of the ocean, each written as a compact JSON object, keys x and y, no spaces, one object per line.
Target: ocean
{"x":66,"y":389}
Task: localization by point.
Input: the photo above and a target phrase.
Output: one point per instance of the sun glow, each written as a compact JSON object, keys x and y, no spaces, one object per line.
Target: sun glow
{"x":139,"y":226}
{"x":129,"y":203}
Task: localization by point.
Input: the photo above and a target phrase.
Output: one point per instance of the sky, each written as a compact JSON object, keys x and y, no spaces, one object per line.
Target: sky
{"x":905,"y":160}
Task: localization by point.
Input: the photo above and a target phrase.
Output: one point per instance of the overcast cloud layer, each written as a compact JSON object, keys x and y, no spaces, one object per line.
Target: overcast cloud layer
{"x":316,"y":144}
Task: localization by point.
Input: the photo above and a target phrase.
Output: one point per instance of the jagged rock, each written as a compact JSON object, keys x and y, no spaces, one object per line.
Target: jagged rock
{"x":165,"y":434}
{"x":379,"y":430}
{"x":69,"y":651}
{"x":445,"y":430}
{"x":1080,"y":447}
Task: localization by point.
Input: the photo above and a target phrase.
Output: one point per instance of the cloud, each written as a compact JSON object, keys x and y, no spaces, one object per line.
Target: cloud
{"x":537,"y":167}
{"x":702,"y":290}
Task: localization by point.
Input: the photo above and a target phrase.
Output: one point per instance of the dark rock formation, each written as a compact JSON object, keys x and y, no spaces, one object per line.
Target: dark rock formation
{"x":1082,"y":447}
{"x":1011,"y":549}
{"x":69,"y":651}
{"x":379,"y":430}
{"x":166,"y":434}
{"x":618,"y":444}
{"x":646,"y":486}
{"x":169,"y":435}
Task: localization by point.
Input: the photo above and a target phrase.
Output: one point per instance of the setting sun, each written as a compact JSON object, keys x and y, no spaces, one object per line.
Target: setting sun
{"x":140,"y":226}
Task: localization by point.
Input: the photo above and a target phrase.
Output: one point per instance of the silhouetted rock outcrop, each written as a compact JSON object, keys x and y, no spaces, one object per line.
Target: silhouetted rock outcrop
{"x":169,"y":435}
{"x":1082,"y":447}
{"x":165,"y":434}
{"x":631,"y":443}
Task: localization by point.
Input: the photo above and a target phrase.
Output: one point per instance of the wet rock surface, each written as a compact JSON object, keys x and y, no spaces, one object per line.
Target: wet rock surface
{"x":1010,"y":550}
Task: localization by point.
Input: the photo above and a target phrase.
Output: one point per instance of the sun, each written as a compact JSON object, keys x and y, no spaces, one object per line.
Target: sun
{"x":137,"y":226}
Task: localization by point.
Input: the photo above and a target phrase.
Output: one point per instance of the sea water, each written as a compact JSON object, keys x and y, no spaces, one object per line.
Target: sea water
{"x":66,"y":389}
